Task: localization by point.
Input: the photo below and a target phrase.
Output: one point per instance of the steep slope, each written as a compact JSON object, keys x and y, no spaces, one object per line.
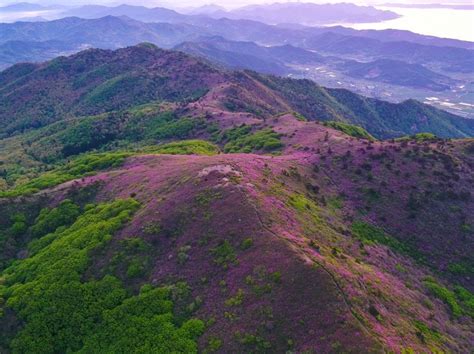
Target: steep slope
{"x":380,"y":118}
{"x":97,"y":81}
{"x":328,"y":247}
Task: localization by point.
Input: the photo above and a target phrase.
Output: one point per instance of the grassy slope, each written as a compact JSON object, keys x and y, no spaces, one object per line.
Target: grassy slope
{"x":304,"y":231}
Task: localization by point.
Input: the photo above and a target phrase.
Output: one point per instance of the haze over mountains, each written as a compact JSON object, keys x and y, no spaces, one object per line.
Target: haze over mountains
{"x":299,"y":13}
{"x":425,"y":67}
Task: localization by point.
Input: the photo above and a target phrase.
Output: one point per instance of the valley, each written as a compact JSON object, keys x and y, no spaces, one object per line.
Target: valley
{"x":455,"y":100}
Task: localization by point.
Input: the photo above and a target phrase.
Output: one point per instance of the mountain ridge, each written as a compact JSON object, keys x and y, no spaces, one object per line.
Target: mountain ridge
{"x":204,"y":78}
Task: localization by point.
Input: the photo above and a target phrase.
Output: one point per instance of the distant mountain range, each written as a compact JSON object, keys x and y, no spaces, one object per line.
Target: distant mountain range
{"x":300,"y":13}
{"x":280,"y":60}
{"x":304,"y":13}
{"x":30,"y":9}
{"x":336,"y":56}
{"x":121,"y":31}
{"x":139,"y":13}
{"x":456,"y":6}
{"x":22,"y":7}
{"x":248,"y":55}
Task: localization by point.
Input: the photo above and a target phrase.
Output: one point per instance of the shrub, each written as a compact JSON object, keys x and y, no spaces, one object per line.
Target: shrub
{"x":85,"y":136}
{"x":444,"y":294}
{"x":180,"y":128}
{"x":79,"y":167}
{"x":235,"y":300}
{"x":420,"y":137}
{"x":133,"y":257}
{"x":224,"y":254}
{"x":372,"y":234}
{"x":136,"y":268}
{"x":49,"y":220}
{"x":426,"y":331}
{"x":183,"y":255}
{"x":276,"y":277}
{"x":351,"y":130}
{"x":299,"y":117}
{"x":186,"y":147}
{"x":466,"y":298}
{"x":240,"y":140}
{"x":62,"y":313}
{"x":144,"y":323}
{"x":51,"y":279}
{"x":246,"y":244}
{"x":19,"y":225}
{"x":461,"y":268}
{"x":214,"y":344}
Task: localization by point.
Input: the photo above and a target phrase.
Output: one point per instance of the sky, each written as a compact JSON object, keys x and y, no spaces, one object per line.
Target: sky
{"x":224,"y":3}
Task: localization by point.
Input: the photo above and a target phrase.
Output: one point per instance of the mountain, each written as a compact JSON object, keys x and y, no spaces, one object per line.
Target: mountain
{"x":398,"y":73}
{"x":21,"y":40}
{"x":164,"y":15}
{"x":22,"y":7}
{"x":32,"y":19}
{"x":302,"y":13}
{"x":391,"y":35}
{"x":382,"y":119}
{"x":115,"y":32}
{"x":280,"y":60}
{"x":267,"y":33}
{"x":248,"y":55}
{"x":99,"y":81}
{"x":338,"y":44}
{"x":122,"y":31}
{"x":140,"y":13}
{"x":13,"y":52}
{"x":308,"y":13}
{"x":151,"y":202}
{"x":207,"y":10}
{"x":73,"y":34}
{"x":231,"y":59}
